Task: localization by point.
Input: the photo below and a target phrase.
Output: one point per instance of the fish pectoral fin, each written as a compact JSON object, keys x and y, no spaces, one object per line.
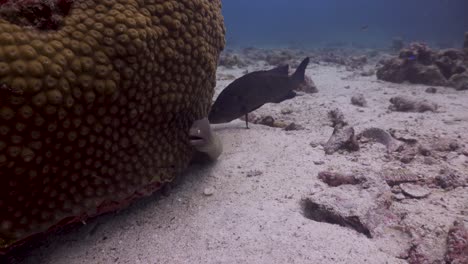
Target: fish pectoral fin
{"x":291,"y":94}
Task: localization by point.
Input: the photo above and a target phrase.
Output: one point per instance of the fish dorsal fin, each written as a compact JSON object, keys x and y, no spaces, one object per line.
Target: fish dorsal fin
{"x":299,"y":74}
{"x":283,"y":70}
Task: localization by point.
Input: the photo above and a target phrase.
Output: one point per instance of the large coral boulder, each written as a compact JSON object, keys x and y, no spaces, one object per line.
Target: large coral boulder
{"x":97,"y":98}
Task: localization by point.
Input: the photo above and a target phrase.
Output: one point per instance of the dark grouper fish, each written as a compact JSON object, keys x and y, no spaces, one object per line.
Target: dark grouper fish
{"x":255,"y":89}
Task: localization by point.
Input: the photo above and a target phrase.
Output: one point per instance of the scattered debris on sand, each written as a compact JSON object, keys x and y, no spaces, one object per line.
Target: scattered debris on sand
{"x":335,"y":179}
{"x":359,"y":100}
{"x":457,"y":243}
{"x":343,"y":136}
{"x":209,"y":191}
{"x":381,"y":136}
{"x":431,"y":90}
{"x":450,"y":179}
{"x":368,"y":73}
{"x":356,"y":62}
{"x":414,"y":190}
{"x":406,"y":104}
{"x":401,"y":197}
{"x":320,"y":213}
{"x":293,"y":127}
{"x":337,"y":118}
{"x":445,"y":144}
{"x":397,"y":176}
{"x":270,"y":121}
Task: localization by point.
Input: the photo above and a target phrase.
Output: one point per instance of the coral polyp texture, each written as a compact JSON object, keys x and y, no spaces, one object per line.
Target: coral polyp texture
{"x":96,"y":102}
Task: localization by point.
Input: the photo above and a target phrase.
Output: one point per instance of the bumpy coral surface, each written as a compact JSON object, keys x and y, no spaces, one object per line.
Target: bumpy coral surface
{"x":95,"y":110}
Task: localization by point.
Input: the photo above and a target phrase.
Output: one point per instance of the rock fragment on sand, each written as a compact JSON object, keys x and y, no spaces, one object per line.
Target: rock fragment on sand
{"x":267,"y":121}
{"x":224,"y":76}
{"x":408,"y":155}
{"x":293,"y":127}
{"x":321,"y":213}
{"x":424,"y":150}
{"x":342,"y":138}
{"x":402,"y":136}
{"x":406,"y":104}
{"x":399,"y":196}
{"x":398,"y":176}
{"x":356,"y":62}
{"x":359,"y":100}
{"x":368,"y":73}
{"x":271,"y":122}
{"x":254,"y":173}
{"x":449,"y":179}
{"x":431,"y":90}
{"x":417,"y":255}
{"x":209,"y":191}
{"x":445,"y":145}
{"x":334,"y":179}
{"x":337,"y":118}
{"x":429,"y":161}
{"x":414,"y":190}
{"x":457,"y":244}
{"x":383,"y":137}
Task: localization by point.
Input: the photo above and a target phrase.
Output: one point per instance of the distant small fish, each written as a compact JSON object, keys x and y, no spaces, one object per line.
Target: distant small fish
{"x":412,"y":57}
{"x":255,"y":89}
{"x":365,"y":28}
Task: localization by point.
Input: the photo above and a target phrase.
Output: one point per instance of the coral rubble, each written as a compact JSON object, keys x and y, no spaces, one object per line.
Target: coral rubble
{"x":421,"y":65}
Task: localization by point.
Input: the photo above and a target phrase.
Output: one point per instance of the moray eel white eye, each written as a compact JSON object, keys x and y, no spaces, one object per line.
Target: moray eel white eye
{"x":204,"y":140}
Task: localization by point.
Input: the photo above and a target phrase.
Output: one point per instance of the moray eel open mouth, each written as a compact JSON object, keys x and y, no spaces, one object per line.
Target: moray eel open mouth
{"x":195,"y":137}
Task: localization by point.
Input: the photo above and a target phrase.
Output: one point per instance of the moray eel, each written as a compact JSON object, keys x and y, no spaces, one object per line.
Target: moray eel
{"x":96,"y":104}
{"x":204,"y":140}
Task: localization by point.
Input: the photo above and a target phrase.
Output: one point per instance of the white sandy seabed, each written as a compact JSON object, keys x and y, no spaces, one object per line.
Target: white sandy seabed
{"x":246,"y":207}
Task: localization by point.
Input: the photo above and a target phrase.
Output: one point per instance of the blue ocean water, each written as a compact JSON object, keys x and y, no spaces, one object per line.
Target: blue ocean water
{"x":366,"y":23}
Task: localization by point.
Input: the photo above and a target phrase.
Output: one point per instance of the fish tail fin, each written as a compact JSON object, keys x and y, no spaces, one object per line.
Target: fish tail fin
{"x":299,"y":74}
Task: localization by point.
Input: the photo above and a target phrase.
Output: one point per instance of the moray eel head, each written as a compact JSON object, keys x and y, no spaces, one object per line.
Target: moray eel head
{"x":203,"y":139}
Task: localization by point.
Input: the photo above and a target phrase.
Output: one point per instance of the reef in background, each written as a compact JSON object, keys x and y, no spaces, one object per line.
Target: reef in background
{"x":420,"y":65}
